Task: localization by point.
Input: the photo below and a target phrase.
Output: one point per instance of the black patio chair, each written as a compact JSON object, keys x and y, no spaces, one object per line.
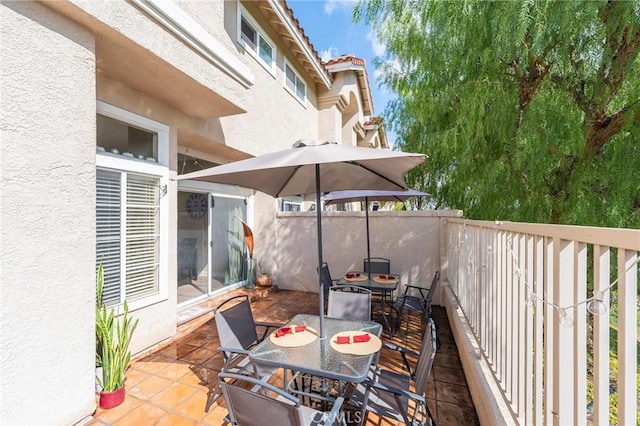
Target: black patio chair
{"x":377,"y":265}
{"x":325,"y":276}
{"x":387,"y":393}
{"x":259,"y":403}
{"x":416,"y":301}
{"x":349,"y":302}
{"x":238,"y":334}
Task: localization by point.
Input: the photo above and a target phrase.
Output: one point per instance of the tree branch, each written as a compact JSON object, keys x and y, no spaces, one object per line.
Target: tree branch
{"x":621,"y":47}
{"x":602,"y":127}
{"x":577,"y":93}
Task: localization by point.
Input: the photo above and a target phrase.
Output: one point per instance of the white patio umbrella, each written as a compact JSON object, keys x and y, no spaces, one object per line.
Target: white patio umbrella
{"x":366,"y":195}
{"x":311,"y":167}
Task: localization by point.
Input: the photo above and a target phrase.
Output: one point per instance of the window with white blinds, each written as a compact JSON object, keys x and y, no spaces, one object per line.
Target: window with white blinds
{"x":130,"y":253}
{"x":108,"y":222}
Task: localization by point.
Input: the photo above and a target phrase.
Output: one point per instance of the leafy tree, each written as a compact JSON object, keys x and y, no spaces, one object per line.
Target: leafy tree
{"x":528,"y":110}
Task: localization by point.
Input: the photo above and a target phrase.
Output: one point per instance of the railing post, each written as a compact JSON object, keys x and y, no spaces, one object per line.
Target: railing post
{"x":493,"y":309}
{"x":529,"y":346}
{"x":538,"y":321}
{"x":500,"y":317}
{"x":551,"y":318}
{"x":627,"y":337}
{"x":601,"y":276}
{"x":563,"y":375}
{"x":580,"y":335}
{"x":520,"y":339}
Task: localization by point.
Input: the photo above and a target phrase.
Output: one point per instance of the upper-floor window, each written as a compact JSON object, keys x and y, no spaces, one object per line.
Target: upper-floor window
{"x":294,"y":83}
{"x":255,"y":41}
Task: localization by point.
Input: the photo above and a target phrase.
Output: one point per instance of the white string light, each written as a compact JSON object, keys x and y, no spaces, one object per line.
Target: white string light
{"x":595,"y":304}
{"x":565,"y":320}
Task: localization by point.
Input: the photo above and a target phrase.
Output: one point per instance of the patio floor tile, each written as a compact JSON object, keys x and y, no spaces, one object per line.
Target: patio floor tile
{"x":174,"y":371}
{"x":152,"y":364}
{"x":173,"y":419}
{"x":144,"y":414}
{"x":454,"y":415}
{"x":135,"y":376}
{"x":173,"y":395}
{"x":200,"y":376}
{"x":193,"y":406}
{"x":111,"y":416}
{"x":148,"y":388}
{"x":450,"y":375}
{"x":198,"y":356}
{"x":456,"y":394}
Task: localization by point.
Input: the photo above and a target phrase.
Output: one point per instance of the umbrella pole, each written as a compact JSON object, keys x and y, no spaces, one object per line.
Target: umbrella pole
{"x":319,"y":224}
{"x":366,"y":213}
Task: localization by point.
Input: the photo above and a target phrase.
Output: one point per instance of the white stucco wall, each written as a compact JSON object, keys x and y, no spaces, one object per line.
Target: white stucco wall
{"x":410,"y":239}
{"x":275,"y":119}
{"x":47,"y":215}
{"x":330,"y":124}
{"x":138,"y":27}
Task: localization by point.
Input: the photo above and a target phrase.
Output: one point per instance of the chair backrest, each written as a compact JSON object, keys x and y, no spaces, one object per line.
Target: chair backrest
{"x":325,"y":276}
{"x":349,"y":302}
{"x":378,"y":265}
{"x":253,"y":403}
{"x":235,"y":324}
{"x":432,"y":289}
{"x":425,"y":361}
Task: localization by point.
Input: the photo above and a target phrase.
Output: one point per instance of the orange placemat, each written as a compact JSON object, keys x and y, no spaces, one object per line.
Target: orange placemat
{"x":381,"y":280}
{"x":361,"y":277}
{"x":364,"y":348}
{"x":293,"y":340}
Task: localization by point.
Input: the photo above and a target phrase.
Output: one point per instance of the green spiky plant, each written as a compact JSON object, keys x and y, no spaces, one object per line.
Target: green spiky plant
{"x":113,"y":336}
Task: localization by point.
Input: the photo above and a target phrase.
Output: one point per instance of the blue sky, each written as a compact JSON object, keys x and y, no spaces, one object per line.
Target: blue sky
{"x":329,"y":25}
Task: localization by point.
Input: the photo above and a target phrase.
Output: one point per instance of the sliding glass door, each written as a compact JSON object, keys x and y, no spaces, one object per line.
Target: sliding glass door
{"x":211,"y":249}
{"x":193,"y":245}
{"x":228,"y":249}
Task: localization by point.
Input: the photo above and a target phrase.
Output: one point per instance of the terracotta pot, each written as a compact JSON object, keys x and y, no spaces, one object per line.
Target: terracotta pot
{"x":264,"y":280}
{"x":112,"y":399}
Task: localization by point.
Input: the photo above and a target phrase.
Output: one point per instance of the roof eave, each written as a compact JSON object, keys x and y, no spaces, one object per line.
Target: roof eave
{"x":363,"y":80}
{"x":291,"y":28}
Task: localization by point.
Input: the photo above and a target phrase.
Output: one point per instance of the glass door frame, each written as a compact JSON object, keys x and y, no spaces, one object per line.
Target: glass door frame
{"x":215,"y":190}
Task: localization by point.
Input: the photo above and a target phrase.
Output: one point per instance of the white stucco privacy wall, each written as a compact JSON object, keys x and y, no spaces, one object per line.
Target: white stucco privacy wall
{"x":410,"y":239}
{"x":47,"y":216}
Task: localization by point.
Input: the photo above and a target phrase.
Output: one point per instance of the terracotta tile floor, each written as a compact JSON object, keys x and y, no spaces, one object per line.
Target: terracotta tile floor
{"x":170,"y":385}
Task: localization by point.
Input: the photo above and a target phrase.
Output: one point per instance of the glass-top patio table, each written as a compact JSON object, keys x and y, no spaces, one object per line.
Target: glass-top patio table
{"x":384,"y":288}
{"x":318,"y":358}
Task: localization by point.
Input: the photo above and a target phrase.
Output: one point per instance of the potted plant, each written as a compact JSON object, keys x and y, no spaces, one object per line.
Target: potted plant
{"x":264,"y":277}
{"x":113,"y":336}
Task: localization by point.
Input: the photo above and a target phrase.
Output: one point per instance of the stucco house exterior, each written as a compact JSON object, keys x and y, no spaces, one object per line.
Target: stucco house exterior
{"x":102,"y":105}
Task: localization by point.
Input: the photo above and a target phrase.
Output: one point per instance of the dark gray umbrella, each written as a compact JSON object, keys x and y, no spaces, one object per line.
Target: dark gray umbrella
{"x":310,"y":167}
{"x":366,"y":195}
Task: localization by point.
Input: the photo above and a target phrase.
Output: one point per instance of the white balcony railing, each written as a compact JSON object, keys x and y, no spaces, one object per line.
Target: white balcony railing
{"x":522,"y":289}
